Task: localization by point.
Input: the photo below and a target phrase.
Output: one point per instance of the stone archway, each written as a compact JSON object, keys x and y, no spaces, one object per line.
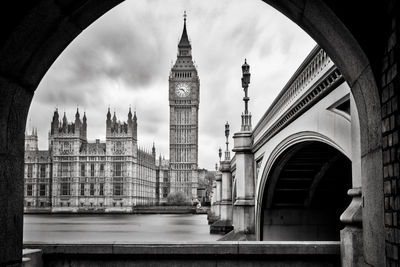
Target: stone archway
{"x":40,"y":30}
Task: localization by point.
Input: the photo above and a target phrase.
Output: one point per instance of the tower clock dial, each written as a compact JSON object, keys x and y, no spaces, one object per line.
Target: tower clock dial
{"x":182,"y":90}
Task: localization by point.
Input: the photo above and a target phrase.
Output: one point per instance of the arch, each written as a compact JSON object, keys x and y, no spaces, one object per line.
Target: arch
{"x":305,"y":181}
{"x":35,"y":41}
{"x":282,"y":147}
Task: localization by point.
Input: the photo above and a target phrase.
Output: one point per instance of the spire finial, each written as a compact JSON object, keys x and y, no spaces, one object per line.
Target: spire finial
{"x":184,"y":16}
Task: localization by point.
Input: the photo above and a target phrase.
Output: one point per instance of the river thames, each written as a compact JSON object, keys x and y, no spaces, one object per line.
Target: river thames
{"x":108,"y":228}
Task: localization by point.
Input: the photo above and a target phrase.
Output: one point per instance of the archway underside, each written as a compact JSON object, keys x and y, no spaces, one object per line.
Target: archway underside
{"x":305,"y":194}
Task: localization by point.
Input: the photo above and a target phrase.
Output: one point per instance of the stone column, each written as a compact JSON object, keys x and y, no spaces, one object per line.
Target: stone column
{"x":224,"y":224}
{"x":351,"y":237}
{"x":243,"y":210}
{"x":226,"y":192}
{"x":211,"y":217}
{"x":218,"y":181}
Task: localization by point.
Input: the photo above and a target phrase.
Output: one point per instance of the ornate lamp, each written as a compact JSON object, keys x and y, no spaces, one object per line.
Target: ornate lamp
{"x":227,"y":153}
{"x":246,"y":117}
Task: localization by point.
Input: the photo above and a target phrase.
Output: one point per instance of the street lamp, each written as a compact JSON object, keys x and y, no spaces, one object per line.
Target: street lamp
{"x":246,"y":117}
{"x":227,"y":153}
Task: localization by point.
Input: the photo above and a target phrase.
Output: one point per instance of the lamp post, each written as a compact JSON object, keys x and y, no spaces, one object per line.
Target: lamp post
{"x":227,"y":153}
{"x":246,"y":117}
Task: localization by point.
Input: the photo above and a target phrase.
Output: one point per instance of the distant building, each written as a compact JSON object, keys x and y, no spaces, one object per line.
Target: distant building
{"x":163,"y":179}
{"x":75,"y":175}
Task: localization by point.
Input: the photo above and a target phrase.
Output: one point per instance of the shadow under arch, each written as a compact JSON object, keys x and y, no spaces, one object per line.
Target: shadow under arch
{"x":305,"y":192}
{"x":39,"y":32}
{"x":284,"y":146}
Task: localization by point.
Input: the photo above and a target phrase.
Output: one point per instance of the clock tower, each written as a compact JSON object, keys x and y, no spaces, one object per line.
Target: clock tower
{"x":184,"y":96}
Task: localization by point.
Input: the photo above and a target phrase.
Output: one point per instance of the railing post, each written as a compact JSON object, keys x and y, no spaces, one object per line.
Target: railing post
{"x":351,"y":237}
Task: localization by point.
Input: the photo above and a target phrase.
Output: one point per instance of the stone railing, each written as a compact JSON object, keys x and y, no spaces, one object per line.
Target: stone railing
{"x":236,"y":253}
{"x":315,"y":77}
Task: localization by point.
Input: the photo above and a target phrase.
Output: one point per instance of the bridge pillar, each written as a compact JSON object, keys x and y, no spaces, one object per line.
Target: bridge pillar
{"x":218,"y":181}
{"x":224,"y":224}
{"x":243,"y":209}
{"x":226,"y":194}
{"x":212,"y":217}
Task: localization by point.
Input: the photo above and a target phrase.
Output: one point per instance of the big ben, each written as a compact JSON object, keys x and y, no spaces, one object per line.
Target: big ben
{"x":184,"y":96}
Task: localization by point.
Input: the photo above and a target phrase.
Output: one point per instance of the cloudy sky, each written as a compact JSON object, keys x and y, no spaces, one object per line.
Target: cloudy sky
{"x":124,"y":59}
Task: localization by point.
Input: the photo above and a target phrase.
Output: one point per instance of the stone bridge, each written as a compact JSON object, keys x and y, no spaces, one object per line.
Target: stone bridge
{"x":289,"y":177}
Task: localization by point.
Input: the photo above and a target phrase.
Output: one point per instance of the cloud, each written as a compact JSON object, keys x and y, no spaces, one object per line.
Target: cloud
{"x":124,"y":58}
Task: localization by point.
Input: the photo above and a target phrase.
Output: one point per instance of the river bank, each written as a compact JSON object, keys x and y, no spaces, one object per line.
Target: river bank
{"x":135,"y":210}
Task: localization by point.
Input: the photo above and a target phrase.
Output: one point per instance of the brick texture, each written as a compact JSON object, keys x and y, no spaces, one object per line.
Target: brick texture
{"x":390,"y":80}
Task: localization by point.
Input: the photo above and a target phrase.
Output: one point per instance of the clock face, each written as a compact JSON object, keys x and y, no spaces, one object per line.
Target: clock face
{"x":182,"y":90}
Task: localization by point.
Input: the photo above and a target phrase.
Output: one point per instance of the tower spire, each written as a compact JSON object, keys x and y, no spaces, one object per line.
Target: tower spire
{"x":184,"y":42}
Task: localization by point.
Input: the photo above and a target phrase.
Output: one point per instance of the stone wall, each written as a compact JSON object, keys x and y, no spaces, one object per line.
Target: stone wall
{"x":228,"y":253}
{"x":390,"y":134}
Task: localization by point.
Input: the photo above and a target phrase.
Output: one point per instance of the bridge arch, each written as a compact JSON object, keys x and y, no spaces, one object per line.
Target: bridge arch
{"x":284,"y":146}
{"x":39,"y":31}
{"x":303,"y":190}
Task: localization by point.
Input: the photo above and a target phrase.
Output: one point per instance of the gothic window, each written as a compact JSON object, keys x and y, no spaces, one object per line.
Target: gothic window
{"x":101,"y":191}
{"x":82,"y":189}
{"x":83,"y":170}
{"x":42,"y":170}
{"x":64,"y":169}
{"x":117,"y":169}
{"x":92,"y":170}
{"x":30,"y":168}
{"x":65,"y":189}
{"x":117,"y":189}
{"x":102,"y":169}
{"x":42,"y":190}
{"x":92,"y":189}
{"x":29,"y":190}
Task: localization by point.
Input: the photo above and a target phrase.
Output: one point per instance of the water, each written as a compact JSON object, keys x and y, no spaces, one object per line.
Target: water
{"x":108,"y":228}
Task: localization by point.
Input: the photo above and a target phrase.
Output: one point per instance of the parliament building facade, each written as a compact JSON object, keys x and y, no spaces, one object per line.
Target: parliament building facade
{"x":75,"y":175}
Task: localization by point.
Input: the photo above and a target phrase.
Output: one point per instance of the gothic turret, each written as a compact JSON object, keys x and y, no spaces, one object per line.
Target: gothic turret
{"x":153,"y":151}
{"x":135,"y":125}
{"x":84,"y":125}
{"x":108,"y":122}
{"x":31,"y":141}
{"x":54,"y":123}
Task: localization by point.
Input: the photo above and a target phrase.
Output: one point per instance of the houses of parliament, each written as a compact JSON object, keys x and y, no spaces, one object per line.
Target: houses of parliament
{"x":75,"y":175}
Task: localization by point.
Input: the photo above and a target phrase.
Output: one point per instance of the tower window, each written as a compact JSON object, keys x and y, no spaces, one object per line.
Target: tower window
{"x":92,"y":170}
{"x":42,"y":170}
